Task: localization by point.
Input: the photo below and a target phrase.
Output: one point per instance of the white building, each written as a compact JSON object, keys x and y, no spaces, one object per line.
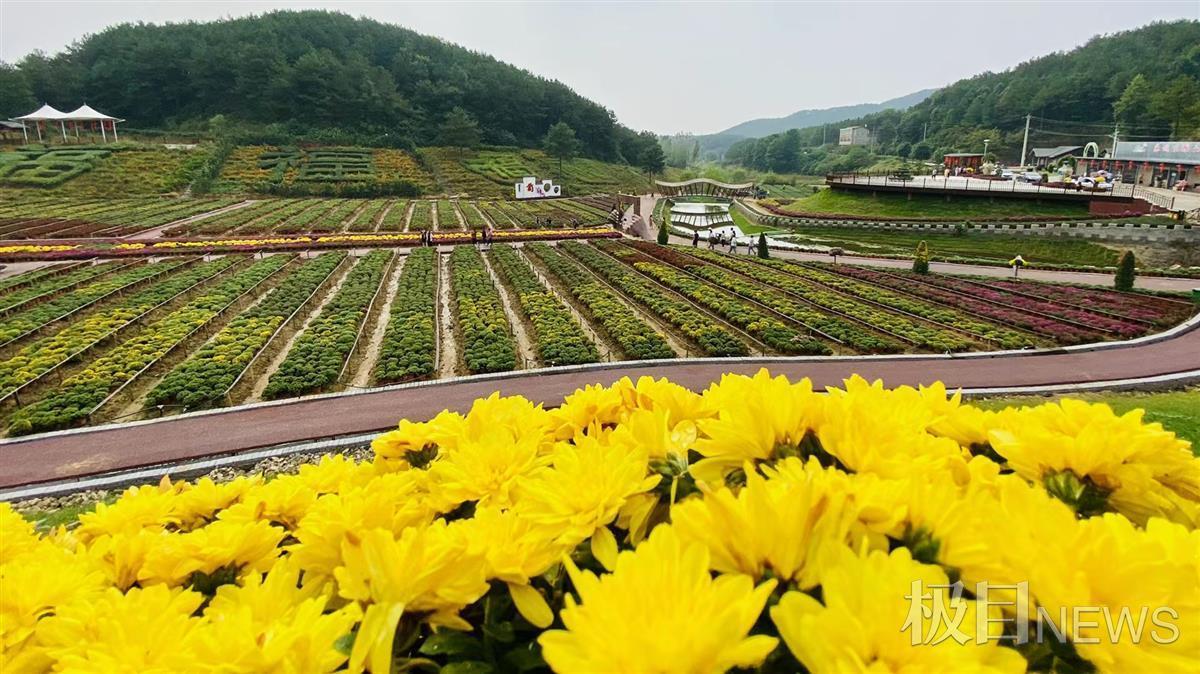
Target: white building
{"x":854,"y":135}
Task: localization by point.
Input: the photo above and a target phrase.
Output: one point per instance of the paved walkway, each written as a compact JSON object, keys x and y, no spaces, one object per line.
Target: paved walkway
{"x":104,"y":449}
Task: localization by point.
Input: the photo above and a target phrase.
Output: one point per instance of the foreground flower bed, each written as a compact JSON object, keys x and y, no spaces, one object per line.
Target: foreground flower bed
{"x":646,"y":528}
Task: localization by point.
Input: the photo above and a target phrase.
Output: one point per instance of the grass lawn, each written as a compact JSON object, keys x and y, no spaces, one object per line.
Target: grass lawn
{"x":1177,"y":411}
{"x":745,"y":225}
{"x":898,"y":206}
{"x":988,"y":246}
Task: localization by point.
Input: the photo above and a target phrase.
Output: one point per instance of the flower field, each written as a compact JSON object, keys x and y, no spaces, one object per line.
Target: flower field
{"x":86,"y":343}
{"x":758,"y":525}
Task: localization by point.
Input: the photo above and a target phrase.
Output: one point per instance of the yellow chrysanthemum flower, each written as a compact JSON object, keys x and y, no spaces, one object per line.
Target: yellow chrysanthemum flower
{"x":515,"y":551}
{"x":274,"y":624}
{"x":697,"y":623}
{"x":424,"y":570}
{"x":35,"y":584}
{"x":870,"y":429}
{"x":584,"y":489}
{"x":198,"y":502}
{"x":146,"y":630}
{"x":485,"y":468}
{"x":742,"y":532}
{"x":241,"y":546}
{"x":757,"y":419}
{"x":589,"y":406}
{"x":865,"y":619}
{"x":391,"y":501}
{"x":1140,"y":469}
{"x":660,"y":395}
{"x":16,"y":534}
{"x":144,"y":507}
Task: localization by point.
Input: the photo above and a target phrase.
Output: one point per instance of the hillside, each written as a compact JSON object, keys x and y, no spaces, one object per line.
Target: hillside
{"x":1152,"y":72}
{"x":322,"y":75}
{"x":757,"y":128}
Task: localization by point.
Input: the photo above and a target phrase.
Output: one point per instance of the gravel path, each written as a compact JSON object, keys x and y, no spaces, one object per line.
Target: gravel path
{"x":371,"y":353}
{"x":526,"y":351}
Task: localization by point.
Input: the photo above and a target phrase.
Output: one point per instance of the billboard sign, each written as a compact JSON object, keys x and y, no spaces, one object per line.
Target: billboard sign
{"x":532,"y":188}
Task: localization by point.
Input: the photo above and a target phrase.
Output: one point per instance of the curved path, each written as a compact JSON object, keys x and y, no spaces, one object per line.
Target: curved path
{"x":89,"y":451}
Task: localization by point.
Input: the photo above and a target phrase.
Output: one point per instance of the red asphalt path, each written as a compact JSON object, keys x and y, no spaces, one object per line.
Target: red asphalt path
{"x":104,"y":449}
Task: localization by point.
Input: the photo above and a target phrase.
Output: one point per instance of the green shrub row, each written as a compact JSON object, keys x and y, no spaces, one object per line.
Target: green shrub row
{"x":636,"y":339}
{"x":559,"y":338}
{"x":205,"y":377}
{"x":74,"y":400}
{"x":486,"y":341}
{"x":410,"y":342}
{"x":317,"y":357}
{"x":55,"y":284}
{"x":22,"y":322}
{"x":712,"y":339}
{"x":38,"y":357}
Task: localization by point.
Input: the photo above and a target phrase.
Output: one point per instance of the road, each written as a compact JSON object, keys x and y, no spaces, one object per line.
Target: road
{"x":104,"y":449}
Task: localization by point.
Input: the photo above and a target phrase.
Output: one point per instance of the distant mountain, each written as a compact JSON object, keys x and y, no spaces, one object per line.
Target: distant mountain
{"x":757,"y":128}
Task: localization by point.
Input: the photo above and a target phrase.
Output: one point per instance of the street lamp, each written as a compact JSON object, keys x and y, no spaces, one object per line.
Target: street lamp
{"x":985,"y":144}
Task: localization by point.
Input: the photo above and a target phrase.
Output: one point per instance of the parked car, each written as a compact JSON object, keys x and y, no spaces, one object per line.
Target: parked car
{"x":1031,"y":177}
{"x":1007,"y":175}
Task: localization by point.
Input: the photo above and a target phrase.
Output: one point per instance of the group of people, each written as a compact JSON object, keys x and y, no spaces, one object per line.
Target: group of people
{"x":716,"y":239}
{"x":478,"y":237}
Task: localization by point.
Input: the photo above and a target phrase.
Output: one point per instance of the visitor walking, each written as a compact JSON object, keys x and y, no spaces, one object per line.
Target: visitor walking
{"x":475,"y":239}
{"x":695,"y":239}
{"x":732,"y":245}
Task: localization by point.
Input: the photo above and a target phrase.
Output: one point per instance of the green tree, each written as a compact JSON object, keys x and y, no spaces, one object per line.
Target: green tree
{"x":650,"y":157}
{"x":921,"y":259}
{"x":16,"y":98}
{"x":1126,"y":272}
{"x":763,"y":252}
{"x":663,"y":235}
{"x":1174,"y":103}
{"x":1134,"y":104}
{"x":560,"y":142}
{"x":460,"y":130}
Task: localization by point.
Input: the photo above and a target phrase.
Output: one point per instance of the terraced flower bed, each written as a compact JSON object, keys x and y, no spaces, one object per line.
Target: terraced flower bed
{"x":51,"y":286}
{"x":558,"y":338}
{"x":396,"y":217}
{"x":482,"y":327}
{"x":711,"y":339}
{"x":22,"y":323}
{"x":905,"y":329}
{"x":1057,"y":330}
{"x":636,"y":339}
{"x":319,"y":354}
{"x":409,"y":347}
{"x":367,"y":217}
{"x":78,"y":397}
{"x":205,"y":377}
{"x":1156,"y":310}
{"x":70,"y":341}
{"x":421,"y":217}
{"x":447,"y":215}
{"x":758,"y":322}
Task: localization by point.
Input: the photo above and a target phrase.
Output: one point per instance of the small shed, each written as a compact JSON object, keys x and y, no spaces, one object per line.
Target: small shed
{"x":1045,"y":156}
{"x":963,"y":160}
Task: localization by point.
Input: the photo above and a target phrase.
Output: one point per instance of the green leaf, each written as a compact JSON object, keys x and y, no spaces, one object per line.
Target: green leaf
{"x":345,"y":643}
{"x":468,"y":667}
{"x":525,"y":658}
{"x":501,"y":631}
{"x":450,"y":642}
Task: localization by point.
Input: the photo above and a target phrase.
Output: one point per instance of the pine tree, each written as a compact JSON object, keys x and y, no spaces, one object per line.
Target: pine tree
{"x":762,"y":246}
{"x":921,"y":260}
{"x":1125,"y":272}
{"x":560,"y":142}
{"x":663,"y":235}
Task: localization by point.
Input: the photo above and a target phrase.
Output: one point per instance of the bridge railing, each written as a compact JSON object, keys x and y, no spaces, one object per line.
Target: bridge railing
{"x":973,"y":184}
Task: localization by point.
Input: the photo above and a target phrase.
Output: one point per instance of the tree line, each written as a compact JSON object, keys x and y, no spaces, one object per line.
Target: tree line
{"x":311,"y":75}
{"x":1147,"y":80}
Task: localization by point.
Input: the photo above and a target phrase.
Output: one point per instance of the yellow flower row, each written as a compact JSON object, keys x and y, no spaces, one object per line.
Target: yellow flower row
{"x":643,"y":527}
{"x":23,"y":248}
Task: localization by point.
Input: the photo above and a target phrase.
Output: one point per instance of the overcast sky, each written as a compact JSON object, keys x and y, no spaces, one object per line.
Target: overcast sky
{"x":695,"y":66}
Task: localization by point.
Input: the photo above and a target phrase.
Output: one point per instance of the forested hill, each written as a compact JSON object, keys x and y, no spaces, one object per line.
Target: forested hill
{"x":309,"y":70}
{"x":1147,"y":79}
{"x":757,"y":128}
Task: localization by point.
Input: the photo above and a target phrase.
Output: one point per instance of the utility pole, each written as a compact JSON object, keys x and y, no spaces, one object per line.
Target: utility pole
{"x":924,"y":131}
{"x":824,"y":128}
{"x":1025,"y":143}
{"x":1116,"y":129}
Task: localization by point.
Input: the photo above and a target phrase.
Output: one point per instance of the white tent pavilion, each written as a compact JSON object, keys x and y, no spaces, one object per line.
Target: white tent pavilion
{"x":46,"y":113}
{"x":82,"y":114}
{"x":86,"y":113}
